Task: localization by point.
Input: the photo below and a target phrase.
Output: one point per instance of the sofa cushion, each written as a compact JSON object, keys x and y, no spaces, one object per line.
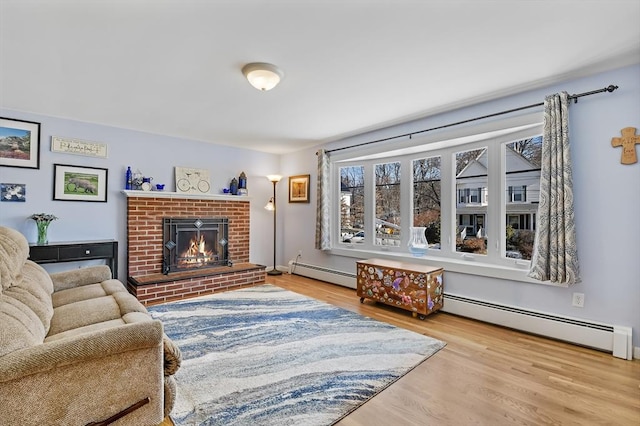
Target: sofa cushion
{"x":129,"y":318}
{"x":83,"y":313}
{"x":91,"y":328}
{"x":132,"y":317}
{"x":87,"y":291}
{"x":20,"y":326}
{"x":25,"y":289}
{"x":128,"y":303}
{"x":77,"y":294}
{"x":25,"y":309}
{"x":113,"y":286}
{"x":80,"y":277}
{"x":14,"y":250}
{"x":33,"y":288}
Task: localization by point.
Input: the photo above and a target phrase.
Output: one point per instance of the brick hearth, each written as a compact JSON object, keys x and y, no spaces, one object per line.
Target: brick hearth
{"x":145,"y":212}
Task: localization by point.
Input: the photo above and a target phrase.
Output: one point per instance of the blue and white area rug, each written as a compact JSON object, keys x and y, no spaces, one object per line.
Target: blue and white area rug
{"x":267,"y":356}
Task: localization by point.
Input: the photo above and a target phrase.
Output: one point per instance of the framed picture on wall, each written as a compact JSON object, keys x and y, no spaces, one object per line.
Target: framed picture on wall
{"x":77,"y":183}
{"x":299,"y":189}
{"x":13,"y":192}
{"x":19,"y":143}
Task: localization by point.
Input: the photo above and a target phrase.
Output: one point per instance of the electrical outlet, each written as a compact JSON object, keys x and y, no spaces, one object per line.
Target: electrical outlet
{"x":578,"y":300}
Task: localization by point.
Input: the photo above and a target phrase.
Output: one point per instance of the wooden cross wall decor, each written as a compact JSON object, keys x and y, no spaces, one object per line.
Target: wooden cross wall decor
{"x":628,"y":142}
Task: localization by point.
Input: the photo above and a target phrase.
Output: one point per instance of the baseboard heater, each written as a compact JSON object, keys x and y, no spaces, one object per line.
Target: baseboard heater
{"x":608,"y":338}
{"x":604,"y":337}
{"x":333,"y":276}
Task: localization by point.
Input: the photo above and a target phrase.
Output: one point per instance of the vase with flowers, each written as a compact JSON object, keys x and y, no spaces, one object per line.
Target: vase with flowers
{"x":43,"y":220}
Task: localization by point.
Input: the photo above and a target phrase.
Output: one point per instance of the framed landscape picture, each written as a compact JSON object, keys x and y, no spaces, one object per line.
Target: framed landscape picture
{"x":77,"y":183}
{"x":19,"y":143}
{"x":299,"y":189}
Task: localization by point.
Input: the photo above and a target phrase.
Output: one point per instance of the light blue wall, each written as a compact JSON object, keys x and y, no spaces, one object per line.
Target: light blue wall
{"x":607,"y":196}
{"x":155,"y":156}
{"x":607,"y":202}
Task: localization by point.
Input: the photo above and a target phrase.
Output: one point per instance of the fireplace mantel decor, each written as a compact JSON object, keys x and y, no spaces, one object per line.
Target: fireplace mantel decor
{"x":169,"y":194}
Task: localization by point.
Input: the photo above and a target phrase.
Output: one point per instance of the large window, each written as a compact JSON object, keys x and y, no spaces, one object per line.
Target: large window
{"x":522,"y":182}
{"x":387,"y":204}
{"x":427,"y":198}
{"x":472,"y":171}
{"x":352,"y":204}
{"x":475,"y":194}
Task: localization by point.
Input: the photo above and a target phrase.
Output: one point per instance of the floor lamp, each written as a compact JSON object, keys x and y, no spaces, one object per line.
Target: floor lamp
{"x":271,"y":205}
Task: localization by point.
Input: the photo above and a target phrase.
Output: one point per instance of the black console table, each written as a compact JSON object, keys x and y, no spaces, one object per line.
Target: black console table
{"x":76,"y":251}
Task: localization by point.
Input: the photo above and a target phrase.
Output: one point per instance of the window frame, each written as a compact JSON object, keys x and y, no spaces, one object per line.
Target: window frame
{"x":495,"y":135}
{"x":517,"y":191}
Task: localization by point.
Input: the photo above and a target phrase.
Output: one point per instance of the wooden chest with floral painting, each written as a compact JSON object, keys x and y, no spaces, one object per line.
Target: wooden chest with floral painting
{"x":415,"y":288}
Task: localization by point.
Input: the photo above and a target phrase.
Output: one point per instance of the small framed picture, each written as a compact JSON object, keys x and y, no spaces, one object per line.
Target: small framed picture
{"x":192,"y":181}
{"x":13,"y":192}
{"x":77,"y":183}
{"x":19,"y":143}
{"x":78,"y":147}
{"x":299,"y":189}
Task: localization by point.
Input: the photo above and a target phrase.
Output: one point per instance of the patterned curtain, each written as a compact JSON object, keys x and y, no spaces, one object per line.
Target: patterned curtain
{"x":555,"y":256}
{"x":323,"y":241}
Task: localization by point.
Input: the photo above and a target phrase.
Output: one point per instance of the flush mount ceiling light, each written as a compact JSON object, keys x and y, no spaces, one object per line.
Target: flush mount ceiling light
{"x":262,"y":76}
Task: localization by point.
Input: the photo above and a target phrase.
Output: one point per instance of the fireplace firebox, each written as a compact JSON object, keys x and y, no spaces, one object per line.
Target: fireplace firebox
{"x":194,"y":243}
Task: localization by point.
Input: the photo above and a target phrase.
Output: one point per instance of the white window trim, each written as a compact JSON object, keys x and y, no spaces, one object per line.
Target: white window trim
{"x":445,"y":144}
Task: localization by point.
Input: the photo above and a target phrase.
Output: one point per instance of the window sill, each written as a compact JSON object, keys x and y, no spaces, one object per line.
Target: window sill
{"x":463,"y":266}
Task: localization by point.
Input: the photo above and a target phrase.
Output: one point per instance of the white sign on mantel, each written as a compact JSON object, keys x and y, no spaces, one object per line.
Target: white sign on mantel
{"x":78,"y":147}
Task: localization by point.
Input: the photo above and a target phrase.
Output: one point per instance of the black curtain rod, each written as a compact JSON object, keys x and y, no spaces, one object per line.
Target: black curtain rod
{"x":609,"y":89}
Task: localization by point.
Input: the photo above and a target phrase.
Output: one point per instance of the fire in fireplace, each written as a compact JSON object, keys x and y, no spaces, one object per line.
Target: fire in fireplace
{"x":194,"y":243}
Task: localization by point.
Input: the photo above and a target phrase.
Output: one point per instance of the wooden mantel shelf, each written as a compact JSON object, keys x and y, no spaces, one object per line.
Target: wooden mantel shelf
{"x":167,"y":194}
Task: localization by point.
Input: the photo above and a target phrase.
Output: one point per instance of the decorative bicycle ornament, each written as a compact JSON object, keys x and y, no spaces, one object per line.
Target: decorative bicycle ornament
{"x":192,"y":181}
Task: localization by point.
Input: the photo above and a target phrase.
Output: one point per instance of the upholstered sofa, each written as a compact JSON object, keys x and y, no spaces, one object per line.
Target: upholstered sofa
{"x":76,"y":348}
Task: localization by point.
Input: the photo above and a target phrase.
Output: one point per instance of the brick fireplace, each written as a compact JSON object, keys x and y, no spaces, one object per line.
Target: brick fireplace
{"x":146,"y":212}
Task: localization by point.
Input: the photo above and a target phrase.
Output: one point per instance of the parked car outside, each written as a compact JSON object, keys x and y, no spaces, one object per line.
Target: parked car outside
{"x":358,"y":237}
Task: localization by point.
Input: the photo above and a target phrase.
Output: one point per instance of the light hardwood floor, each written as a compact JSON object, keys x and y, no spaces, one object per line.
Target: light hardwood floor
{"x":489,"y":375}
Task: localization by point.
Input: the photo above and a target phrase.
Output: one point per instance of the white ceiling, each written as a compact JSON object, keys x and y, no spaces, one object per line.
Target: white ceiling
{"x":172,"y":67}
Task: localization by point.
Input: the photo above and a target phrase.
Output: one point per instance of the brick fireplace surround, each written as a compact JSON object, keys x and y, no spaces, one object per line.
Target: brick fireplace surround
{"x":145,"y":212}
